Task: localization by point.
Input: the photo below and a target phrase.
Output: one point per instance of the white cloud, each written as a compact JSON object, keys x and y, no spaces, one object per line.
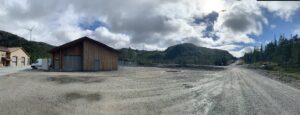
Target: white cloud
{"x":297,"y":31}
{"x":142,"y":24}
{"x":103,"y":35}
{"x":241,"y":52}
{"x":238,"y":22}
{"x":283,"y":9}
{"x":272,"y":26}
{"x":227,"y":47}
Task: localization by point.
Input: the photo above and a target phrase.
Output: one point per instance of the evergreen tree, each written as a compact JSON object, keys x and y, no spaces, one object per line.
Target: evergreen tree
{"x":285,"y":52}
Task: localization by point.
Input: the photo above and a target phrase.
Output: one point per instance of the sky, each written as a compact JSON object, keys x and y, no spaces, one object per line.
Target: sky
{"x":237,"y":26}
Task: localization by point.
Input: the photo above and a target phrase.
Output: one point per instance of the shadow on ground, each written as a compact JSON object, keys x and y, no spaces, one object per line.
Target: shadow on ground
{"x":73,"y":79}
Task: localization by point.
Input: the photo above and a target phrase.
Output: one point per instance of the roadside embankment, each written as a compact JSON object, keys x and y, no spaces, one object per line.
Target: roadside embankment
{"x":284,"y":75}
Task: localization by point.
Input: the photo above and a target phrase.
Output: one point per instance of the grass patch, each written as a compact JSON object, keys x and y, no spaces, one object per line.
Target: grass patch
{"x":286,"y":72}
{"x":291,"y":74}
{"x":277,"y":70}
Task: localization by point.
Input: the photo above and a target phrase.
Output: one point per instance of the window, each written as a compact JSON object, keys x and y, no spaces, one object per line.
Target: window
{"x":14,"y":60}
{"x":23,"y":60}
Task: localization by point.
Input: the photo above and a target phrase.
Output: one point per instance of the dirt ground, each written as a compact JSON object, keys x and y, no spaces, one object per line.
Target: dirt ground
{"x":146,"y":90}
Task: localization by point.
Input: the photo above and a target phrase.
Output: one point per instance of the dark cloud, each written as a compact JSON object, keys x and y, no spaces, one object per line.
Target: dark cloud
{"x":239,"y":22}
{"x":143,"y":28}
{"x":138,"y":19}
{"x":242,"y":22}
{"x":35,"y":9}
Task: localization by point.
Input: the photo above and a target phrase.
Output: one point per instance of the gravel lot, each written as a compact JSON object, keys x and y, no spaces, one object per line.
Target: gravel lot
{"x":10,"y":70}
{"x":146,"y":90}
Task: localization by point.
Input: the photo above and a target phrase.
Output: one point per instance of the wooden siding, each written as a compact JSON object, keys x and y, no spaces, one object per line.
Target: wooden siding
{"x":59,"y":55}
{"x":92,"y":52}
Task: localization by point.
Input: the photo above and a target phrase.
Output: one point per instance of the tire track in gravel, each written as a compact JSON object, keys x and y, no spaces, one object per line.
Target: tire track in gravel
{"x":153,"y":91}
{"x":246,"y":92}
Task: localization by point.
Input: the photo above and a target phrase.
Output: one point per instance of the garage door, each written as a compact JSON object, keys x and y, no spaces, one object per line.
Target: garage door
{"x":72,"y":63}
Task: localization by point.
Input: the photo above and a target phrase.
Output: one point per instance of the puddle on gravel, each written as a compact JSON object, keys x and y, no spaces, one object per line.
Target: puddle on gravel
{"x":188,"y":86}
{"x":69,"y":79}
{"x":173,"y":71}
{"x":75,"y":96}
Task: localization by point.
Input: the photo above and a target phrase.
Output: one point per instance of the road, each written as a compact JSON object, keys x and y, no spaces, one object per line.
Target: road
{"x":147,"y":90}
{"x":243,"y":91}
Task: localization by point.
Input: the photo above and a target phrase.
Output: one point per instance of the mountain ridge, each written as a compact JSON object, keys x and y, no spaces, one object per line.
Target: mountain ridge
{"x":186,"y":53}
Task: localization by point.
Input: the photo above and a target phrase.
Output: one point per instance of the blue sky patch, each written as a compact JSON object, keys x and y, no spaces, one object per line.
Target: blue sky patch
{"x":281,"y":27}
{"x":93,"y":25}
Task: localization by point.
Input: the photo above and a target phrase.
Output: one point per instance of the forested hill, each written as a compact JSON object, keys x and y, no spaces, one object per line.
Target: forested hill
{"x":179,"y":54}
{"x":284,"y":52}
{"x":35,"y":49}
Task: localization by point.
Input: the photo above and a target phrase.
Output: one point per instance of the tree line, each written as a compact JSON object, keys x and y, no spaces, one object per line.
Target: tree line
{"x":182,"y":54}
{"x":285,"y":52}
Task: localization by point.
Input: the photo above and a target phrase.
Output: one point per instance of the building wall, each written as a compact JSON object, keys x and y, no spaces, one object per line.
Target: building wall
{"x":59,"y":55}
{"x":19,"y":54}
{"x":92,"y":52}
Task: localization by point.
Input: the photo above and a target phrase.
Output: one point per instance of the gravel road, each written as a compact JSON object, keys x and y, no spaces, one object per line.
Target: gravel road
{"x":147,"y":90}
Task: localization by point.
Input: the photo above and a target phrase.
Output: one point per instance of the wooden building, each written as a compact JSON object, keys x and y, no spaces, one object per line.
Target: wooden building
{"x":84,"y":54}
{"x":14,"y":56}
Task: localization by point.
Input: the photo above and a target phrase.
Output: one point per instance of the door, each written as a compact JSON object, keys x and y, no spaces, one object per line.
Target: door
{"x":56,"y":64}
{"x":72,"y":63}
{"x":14,"y":61}
{"x":97,"y":65}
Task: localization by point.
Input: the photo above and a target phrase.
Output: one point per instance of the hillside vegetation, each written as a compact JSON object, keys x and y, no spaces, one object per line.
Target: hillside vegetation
{"x":284,"y":52}
{"x":179,"y":54}
{"x":35,"y":49}
{"x":279,"y":56}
